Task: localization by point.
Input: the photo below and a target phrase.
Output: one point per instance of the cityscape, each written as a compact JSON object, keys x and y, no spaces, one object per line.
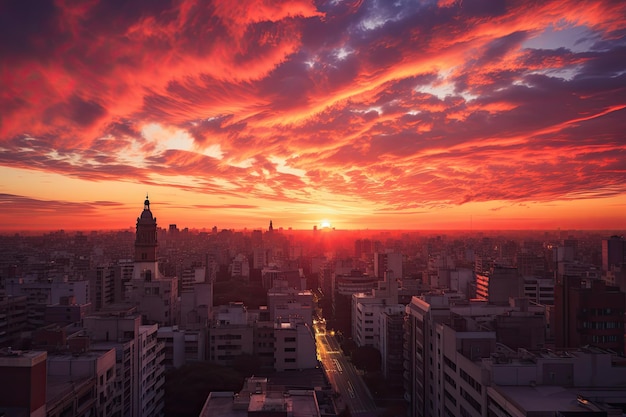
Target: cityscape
{"x":167,"y":321}
{"x":366,"y":208}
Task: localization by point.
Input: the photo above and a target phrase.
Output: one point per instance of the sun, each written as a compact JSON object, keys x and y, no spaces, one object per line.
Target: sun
{"x":325,"y":224}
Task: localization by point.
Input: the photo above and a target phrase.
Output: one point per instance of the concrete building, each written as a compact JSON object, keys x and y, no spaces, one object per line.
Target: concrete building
{"x":102,"y":286}
{"x":157,"y":300}
{"x":294,"y":346}
{"x":66,"y":312}
{"x":585,"y":382}
{"x":65,"y":369}
{"x":284,"y":302}
{"x":139,"y":359}
{"x":391,"y":342}
{"x":13,"y":320}
{"x":240,"y":267}
{"x":173,"y":340}
{"x":588,"y":312}
{"x":344,"y":286}
{"x":41,"y":294}
{"x":294,"y":278}
{"x":539,"y":290}
{"x":613,"y":253}
{"x":368,"y":307}
{"x":259,"y":398}
{"x":182,"y":345}
{"x":195,"y":306}
{"x":389,"y":261}
{"x":25,"y":395}
{"x":231,"y":333}
{"x":501,"y":283}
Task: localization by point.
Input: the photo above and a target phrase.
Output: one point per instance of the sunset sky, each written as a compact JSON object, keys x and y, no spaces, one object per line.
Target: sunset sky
{"x":449,"y":114}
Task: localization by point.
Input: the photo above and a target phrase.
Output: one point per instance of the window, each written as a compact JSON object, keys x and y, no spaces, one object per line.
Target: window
{"x":449,"y":363}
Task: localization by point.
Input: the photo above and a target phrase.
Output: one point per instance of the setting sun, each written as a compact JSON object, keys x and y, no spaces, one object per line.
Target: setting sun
{"x":229,"y":114}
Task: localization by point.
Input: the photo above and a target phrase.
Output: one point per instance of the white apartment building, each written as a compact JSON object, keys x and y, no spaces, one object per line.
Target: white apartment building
{"x":240,"y":267}
{"x":140,"y":368}
{"x":69,"y":368}
{"x":368,"y":308}
{"x":231,"y":333}
{"x":285,"y":302}
{"x":294,"y":346}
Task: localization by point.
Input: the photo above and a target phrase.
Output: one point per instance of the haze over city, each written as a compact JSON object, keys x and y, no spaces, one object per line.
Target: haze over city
{"x":349,"y":114}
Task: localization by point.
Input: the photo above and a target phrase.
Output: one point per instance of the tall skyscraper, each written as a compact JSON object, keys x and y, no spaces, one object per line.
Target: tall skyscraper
{"x":613,"y":252}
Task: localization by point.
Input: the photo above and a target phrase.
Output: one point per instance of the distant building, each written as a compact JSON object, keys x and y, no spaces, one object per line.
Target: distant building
{"x":368,"y":307}
{"x":240,"y":267}
{"x":67,"y":311}
{"x":501,"y":283}
{"x":13,"y":320}
{"x":384,"y":262}
{"x":613,"y":253}
{"x":442,"y":332}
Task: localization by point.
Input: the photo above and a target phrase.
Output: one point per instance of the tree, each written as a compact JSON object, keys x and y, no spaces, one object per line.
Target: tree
{"x":367,"y":358}
{"x":187,"y":388}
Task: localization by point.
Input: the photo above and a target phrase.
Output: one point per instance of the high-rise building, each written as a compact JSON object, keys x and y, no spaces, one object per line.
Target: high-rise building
{"x":613,"y":252}
{"x":384,"y":262}
{"x":588,"y":312}
{"x":140,"y":370}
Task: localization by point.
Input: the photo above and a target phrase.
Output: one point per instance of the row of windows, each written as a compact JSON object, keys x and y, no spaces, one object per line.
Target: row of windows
{"x":471,"y":400}
{"x":603,"y":311}
{"x":449,"y":363}
{"x":449,"y":396}
{"x":602,"y":325}
{"x":449,"y":379}
{"x":604,"y":339}
{"x":471,"y":381}
{"x":227,"y":337}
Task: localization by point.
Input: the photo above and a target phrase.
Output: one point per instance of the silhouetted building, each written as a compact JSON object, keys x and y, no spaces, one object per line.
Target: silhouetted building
{"x":588,"y":312}
{"x":23,"y":376}
{"x":613,"y":252}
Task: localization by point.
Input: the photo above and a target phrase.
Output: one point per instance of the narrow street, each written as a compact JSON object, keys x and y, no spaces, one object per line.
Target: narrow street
{"x":343,"y":376}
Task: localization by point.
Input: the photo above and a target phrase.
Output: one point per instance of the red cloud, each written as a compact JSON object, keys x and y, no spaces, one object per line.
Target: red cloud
{"x":420,"y":106}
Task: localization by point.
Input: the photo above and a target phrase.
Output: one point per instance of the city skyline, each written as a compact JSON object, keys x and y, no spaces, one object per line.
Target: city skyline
{"x":436,"y":115}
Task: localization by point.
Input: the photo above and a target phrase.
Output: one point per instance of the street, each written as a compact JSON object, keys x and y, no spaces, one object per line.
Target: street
{"x":343,"y":376}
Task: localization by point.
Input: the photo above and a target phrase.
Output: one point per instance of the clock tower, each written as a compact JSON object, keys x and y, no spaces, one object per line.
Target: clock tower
{"x":146,"y":266}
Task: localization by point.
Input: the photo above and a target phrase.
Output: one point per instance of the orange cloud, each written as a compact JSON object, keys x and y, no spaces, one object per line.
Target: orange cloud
{"x":360,"y":108}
